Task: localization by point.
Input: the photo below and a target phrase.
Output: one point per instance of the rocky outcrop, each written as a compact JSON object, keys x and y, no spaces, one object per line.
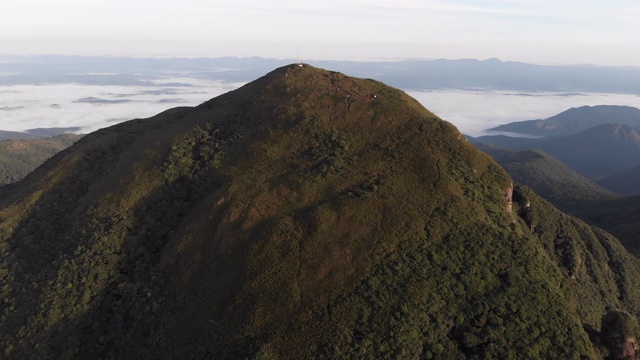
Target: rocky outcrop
{"x":508,"y":195}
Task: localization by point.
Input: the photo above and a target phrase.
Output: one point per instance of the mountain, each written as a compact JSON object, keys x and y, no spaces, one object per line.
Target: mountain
{"x":625,"y":183}
{"x":20,"y":157}
{"x":596,"y":153}
{"x":599,"y":151}
{"x":8,"y":135}
{"x":547,"y":176}
{"x":48,"y":132}
{"x":38,"y":133}
{"x":575,"y":120}
{"x":506,"y":142}
{"x":305,"y":215}
{"x":488,"y":74}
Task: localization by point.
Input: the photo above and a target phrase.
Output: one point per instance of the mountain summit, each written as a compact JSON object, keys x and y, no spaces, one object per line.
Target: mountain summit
{"x":305,"y":215}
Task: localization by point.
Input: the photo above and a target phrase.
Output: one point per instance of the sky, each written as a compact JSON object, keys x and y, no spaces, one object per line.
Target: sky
{"x":598,"y":32}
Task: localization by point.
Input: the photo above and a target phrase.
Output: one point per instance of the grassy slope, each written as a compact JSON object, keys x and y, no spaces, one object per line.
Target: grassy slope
{"x":20,"y":157}
{"x":304,"y":215}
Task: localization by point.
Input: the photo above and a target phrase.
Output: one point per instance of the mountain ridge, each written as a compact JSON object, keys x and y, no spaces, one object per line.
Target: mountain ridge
{"x":575,"y":120}
{"x":37,"y":133}
{"x":406,"y":74}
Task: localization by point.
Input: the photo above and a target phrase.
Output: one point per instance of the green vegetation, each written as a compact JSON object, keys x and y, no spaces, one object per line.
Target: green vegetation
{"x":304,"y":215}
{"x":20,"y":157}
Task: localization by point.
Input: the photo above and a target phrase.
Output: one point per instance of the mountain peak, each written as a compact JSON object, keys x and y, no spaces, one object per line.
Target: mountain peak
{"x":300,"y":91}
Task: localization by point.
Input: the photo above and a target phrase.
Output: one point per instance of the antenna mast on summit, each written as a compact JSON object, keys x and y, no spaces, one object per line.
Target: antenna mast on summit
{"x":298,"y":55}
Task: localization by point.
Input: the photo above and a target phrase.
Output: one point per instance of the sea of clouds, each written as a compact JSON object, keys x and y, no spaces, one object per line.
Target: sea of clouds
{"x":91,"y":107}
{"x":474,"y":111}
{"x":90,"y":93}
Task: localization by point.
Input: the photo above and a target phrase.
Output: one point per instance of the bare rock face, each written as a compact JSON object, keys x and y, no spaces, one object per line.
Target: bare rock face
{"x":619,"y":335}
{"x":508,"y":195}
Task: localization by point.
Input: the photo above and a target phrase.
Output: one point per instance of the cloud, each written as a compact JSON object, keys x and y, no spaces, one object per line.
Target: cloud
{"x":472,"y":112}
{"x":95,"y":106}
{"x":172,"y":101}
{"x":160,"y":92}
{"x":77,"y":105}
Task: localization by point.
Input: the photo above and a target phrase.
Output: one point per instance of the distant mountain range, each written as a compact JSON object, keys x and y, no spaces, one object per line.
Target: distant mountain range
{"x":38,"y":133}
{"x":597,"y":152}
{"x":408,"y":74}
{"x":574,"y":121}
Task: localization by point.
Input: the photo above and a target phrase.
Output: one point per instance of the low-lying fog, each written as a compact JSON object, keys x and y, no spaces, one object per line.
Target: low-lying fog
{"x":94,"y":92}
{"x":91,"y":107}
{"x":475,"y":111}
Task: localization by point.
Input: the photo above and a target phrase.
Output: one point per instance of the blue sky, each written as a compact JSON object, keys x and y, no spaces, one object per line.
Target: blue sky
{"x":537,"y":31}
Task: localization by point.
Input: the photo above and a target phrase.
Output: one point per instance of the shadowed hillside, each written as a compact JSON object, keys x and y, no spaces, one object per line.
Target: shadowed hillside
{"x":625,"y":183}
{"x":304,"y":215}
{"x":596,"y":153}
{"x":620,"y":217}
{"x":547,"y":176}
{"x":20,"y":157}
